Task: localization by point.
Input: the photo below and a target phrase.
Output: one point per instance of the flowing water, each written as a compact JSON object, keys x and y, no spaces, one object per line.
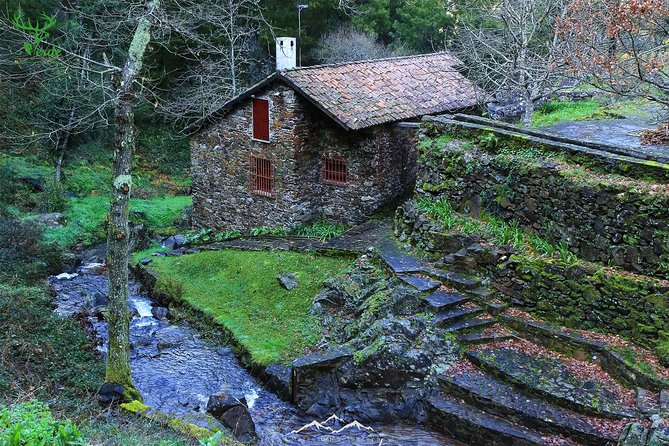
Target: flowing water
{"x":176,"y":371}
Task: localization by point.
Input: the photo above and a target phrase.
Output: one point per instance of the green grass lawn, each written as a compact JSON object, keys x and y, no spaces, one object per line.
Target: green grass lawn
{"x":556,"y":111}
{"x":239,"y":290}
{"x":85,"y":217}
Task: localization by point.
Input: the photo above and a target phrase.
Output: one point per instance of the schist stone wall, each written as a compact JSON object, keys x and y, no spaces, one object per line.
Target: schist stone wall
{"x":381,"y":167}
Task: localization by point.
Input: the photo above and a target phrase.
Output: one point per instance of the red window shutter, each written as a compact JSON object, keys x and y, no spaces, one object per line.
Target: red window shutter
{"x":261,"y":119}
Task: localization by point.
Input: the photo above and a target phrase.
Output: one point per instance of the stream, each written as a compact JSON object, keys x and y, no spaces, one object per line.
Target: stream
{"x":176,"y":371}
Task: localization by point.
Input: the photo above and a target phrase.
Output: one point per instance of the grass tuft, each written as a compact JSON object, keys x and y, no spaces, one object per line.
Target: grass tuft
{"x":499,"y":231}
{"x":559,"y":111}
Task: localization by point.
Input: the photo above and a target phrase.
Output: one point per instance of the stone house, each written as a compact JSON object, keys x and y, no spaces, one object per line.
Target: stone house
{"x":330,"y":140}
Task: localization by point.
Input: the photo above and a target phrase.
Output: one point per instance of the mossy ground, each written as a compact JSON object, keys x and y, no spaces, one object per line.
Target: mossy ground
{"x":240,"y":290}
{"x":555,"y":111}
{"x":159,"y":197}
{"x":86,"y":216}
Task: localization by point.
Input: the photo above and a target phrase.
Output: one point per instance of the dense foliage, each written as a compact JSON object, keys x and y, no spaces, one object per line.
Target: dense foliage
{"x":24,"y":256}
{"x":32,"y":424}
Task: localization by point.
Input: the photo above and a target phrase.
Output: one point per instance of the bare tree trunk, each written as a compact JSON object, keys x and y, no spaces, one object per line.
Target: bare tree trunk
{"x":59,"y":167}
{"x":63,"y":145}
{"x":118,"y":232}
{"x":528,"y":111}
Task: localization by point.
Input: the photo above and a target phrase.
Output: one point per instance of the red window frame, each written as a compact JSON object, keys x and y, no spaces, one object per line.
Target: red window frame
{"x":260,"y":119}
{"x":335,"y":171}
{"x":261,"y":176}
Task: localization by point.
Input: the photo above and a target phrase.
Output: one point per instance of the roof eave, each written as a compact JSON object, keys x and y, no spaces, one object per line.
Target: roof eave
{"x":197,"y":125}
{"x":315,"y":103}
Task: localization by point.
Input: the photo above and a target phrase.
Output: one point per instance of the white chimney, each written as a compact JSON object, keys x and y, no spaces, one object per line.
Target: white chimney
{"x":286,"y":53}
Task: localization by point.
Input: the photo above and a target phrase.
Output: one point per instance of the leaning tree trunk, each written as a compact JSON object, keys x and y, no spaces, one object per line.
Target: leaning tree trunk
{"x":118,"y":232}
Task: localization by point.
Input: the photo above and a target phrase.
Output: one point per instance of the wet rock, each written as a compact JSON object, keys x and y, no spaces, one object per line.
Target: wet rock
{"x":634,"y":434}
{"x":110,"y":393}
{"x":100,"y":300}
{"x":231,"y":410}
{"x":145,"y":261}
{"x":405,"y":302}
{"x":159,"y":312}
{"x":169,"y":337}
{"x":239,"y":421}
{"x":53,"y":220}
{"x":288,"y":280}
{"x":664,"y":402}
{"x":278,"y":380}
{"x":325,"y":359}
{"x":174,"y":241}
{"x":219,"y":403}
{"x":659,"y":437}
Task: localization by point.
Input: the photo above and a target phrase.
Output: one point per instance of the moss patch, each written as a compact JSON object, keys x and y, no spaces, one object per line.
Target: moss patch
{"x":136,"y":407}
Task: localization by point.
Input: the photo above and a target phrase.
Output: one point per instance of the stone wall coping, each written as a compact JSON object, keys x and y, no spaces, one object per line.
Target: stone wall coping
{"x":549,"y":141}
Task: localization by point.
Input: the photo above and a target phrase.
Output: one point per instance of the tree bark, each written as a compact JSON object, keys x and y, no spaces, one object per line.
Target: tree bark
{"x":63,"y":146}
{"x":118,"y":232}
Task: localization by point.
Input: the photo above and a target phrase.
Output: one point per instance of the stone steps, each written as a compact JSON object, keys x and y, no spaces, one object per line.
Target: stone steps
{"x":453,"y":315}
{"x":484,"y":338}
{"x":421,"y":283}
{"x":452,"y":279}
{"x":569,"y":342}
{"x":500,"y":399}
{"x":476,"y":427}
{"x":548,"y":379}
{"x":441,"y":300}
{"x":469,"y":325}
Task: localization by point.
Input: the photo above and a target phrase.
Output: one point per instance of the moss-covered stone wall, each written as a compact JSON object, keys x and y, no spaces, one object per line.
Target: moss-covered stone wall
{"x":575,"y":294}
{"x":603,"y":216}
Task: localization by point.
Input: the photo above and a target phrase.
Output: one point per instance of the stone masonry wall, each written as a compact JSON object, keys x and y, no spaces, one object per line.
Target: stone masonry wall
{"x":581,"y":295}
{"x":602,"y":217}
{"x":381,"y":167}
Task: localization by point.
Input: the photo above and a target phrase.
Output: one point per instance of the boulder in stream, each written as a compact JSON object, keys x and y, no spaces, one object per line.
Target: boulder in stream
{"x":159,"y":312}
{"x":231,"y":410}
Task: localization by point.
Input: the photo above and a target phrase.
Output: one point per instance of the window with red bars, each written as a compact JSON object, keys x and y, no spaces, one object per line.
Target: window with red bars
{"x":261,"y":119}
{"x":335,"y":171}
{"x":262,"y":176}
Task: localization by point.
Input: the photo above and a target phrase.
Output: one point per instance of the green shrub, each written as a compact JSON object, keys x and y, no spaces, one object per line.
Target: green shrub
{"x":558,"y":111}
{"x":496,"y":229}
{"x":172,"y":289}
{"x":53,"y":198}
{"x":489,"y":141}
{"x":205,"y":236}
{"x":31,"y":424}
{"x":24,"y":256}
{"x":41,"y":348}
{"x":322,"y":229}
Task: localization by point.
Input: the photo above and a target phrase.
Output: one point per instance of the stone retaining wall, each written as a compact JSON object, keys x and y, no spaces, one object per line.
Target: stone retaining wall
{"x":581,"y":295}
{"x":603,"y":217}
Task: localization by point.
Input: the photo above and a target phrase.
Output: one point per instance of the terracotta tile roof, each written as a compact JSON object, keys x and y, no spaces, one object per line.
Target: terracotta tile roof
{"x":366,"y":93}
{"x":371,"y":92}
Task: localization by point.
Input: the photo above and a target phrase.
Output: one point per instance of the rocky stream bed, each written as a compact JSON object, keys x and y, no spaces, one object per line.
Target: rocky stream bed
{"x":176,"y":371}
